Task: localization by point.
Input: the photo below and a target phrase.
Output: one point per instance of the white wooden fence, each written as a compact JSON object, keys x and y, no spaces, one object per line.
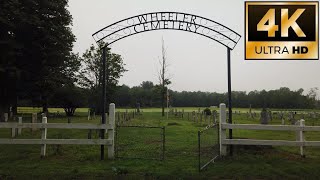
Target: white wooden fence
{"x":109,"y":128}
{"x":299,"y":129}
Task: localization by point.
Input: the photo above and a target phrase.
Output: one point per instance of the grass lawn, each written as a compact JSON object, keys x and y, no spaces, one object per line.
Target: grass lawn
{"x":181,"y":155}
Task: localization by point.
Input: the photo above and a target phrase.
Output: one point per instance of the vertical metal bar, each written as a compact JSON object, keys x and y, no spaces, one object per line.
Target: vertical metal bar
{"x":199,"y":162}
{"x":103,"y":117}
{"x":167,"y":103}
{"x":218,"y":142}
{"x":229,"y":98}
{"x":164,"y":142}
{"x":116,"y":142}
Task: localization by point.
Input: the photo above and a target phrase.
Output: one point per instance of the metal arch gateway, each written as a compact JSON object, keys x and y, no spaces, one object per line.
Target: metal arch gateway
{"x":166,"y":21}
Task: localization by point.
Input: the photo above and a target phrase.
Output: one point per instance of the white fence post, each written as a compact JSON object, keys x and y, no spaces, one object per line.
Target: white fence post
{"x":302,"y":124}
{"x":297,"y":131}
{"x":44,"y":136}
{"x":6,"y":117}
{"x":13,"y":132}
{"x":107,"y":120}
{"x":112,"y":117}
{"x":20,"y":122}
{"x":223,"y":148}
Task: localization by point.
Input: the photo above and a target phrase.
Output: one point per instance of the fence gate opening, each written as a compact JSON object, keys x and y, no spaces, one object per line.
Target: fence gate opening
{"x":140,"y":142}
{"x":208,"y":145}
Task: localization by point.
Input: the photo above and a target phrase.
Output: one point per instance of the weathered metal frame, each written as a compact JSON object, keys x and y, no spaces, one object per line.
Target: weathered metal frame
{"x":112,"y":32}
{"x":201,"y":167}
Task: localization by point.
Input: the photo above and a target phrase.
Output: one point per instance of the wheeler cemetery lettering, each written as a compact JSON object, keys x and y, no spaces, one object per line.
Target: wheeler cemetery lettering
{"x":166,"y":21}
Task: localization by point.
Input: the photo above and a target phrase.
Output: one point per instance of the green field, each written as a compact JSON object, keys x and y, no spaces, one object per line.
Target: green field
{"x":181,"y":157}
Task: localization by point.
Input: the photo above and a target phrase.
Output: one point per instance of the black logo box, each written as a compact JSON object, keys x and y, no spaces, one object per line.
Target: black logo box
{"x":306,"y":22}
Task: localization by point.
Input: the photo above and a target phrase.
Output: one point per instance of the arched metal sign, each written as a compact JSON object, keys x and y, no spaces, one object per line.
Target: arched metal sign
{"x":166,"y":21}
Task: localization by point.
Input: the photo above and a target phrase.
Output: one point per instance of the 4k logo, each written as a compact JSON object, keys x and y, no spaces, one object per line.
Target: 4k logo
{"x":281,"y":30}
{"x":270,"y":17}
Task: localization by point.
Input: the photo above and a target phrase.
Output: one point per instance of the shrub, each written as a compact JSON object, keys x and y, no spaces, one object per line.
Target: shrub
{"x":207,"y":111}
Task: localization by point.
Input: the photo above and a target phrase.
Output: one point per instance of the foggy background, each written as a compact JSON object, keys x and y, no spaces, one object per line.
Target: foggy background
{"x":196,"y":63}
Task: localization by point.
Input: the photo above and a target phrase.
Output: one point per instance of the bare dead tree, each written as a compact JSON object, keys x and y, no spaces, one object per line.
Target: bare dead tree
{"x":163,"y":76}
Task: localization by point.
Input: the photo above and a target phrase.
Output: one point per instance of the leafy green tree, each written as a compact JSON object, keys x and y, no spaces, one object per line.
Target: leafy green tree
{"x":148,"y":90}
{"x":91,"y":75}
{"x":69,"y":97}
{"x":123,"y":96}
{"x":35,"y":46}
{"x":147,"y":85}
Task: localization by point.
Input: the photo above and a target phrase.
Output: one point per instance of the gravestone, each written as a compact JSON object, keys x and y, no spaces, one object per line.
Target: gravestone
{"x":171,"y":111}
{"x":250,"y":112}
{"x":215,"y":116}
{"x":193,"y":116}
{"x":138,"y":108}
{"x":264,"y":118}
{"x":291,"y":118}
{"x":88,"y":114}
{"x":270,"y":115}
{"x":280,"y":115}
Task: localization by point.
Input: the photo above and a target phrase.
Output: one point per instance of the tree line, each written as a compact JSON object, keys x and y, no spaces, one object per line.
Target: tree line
{"x":147,"y":95}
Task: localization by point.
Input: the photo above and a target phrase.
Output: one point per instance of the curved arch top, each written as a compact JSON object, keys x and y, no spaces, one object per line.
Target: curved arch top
{"x":168,"y":20}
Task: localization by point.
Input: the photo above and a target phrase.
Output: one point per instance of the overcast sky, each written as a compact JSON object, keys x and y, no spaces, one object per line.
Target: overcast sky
{"x":196,"y":62}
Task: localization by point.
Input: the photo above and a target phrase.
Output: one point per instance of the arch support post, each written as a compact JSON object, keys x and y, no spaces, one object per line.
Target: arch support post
{"x":229,"y":96}
{"x":103,"y":115}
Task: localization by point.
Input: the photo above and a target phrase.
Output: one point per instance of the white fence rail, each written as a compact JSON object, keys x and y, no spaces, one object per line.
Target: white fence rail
{"x":299,"y":129}
{"x":17,"y":127}
{"x":56,"y":125}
